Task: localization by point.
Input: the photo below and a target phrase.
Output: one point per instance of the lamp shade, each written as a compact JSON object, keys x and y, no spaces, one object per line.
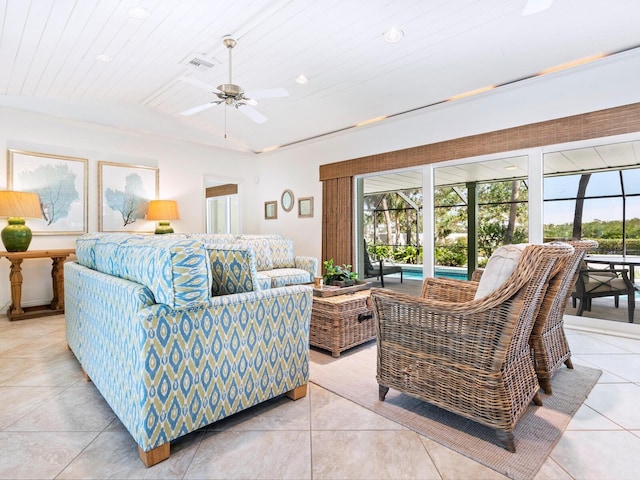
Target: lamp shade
{"x":16,"y":236}
{"x":19,"y":204}
{"x":163,"y":211}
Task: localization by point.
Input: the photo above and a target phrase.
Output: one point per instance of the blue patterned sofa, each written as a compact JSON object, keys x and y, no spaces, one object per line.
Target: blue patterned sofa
{"x":276,"y":263}
{"x":177,"y":334}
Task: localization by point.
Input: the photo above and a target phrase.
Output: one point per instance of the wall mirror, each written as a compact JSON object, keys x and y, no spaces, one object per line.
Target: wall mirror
{"x":287,"y":200}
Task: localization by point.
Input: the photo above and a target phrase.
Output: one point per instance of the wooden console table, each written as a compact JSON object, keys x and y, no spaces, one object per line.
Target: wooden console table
{"x":16,"y":311}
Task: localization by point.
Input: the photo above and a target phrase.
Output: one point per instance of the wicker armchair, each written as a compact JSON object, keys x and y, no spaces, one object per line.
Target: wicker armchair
{"x":468,"y":356}
{"x":548,"y":341}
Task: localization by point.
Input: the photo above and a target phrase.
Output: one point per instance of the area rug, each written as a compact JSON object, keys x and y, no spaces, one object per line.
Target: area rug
{"x":353,"y":376}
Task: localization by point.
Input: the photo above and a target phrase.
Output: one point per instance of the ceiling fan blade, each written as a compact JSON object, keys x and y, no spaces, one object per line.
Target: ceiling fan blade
{"x":252,"y":113}
{"x":199,"y":108}
{"x":535,"y":6}
{"x":198,"y":83}
{"x":271,"y":93}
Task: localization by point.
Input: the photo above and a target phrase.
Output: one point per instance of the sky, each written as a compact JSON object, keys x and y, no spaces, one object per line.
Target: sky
{"x":600,"y":183}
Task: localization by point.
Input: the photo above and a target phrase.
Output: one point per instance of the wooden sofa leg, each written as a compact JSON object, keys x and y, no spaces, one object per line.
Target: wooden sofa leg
{"x":85,"y":375}
{"x":155,"y":455}
{"x":298,"y":392}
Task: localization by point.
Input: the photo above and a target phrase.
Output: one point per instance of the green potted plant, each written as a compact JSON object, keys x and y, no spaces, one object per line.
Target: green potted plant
{"x":340,"y":275}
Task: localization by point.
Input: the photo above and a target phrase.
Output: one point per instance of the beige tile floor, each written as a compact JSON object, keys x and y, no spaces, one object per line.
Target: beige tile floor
{"x":53,"y":424}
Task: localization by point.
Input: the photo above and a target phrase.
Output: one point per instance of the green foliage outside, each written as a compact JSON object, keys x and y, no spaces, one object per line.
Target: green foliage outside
{"x":503,"y":218}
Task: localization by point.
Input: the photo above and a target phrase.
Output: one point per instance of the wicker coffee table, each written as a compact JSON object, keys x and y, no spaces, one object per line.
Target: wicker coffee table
{"x":341,"y":322}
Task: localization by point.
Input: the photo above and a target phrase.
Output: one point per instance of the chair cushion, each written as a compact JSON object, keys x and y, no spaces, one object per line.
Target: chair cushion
{"x":281,"y":277}
{"x":499,"y":268}
{"x":604,"y":282}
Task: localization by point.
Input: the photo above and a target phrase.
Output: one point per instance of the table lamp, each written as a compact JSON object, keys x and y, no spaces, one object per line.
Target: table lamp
{"x":163,"y":211}
{"x":16,"y":236}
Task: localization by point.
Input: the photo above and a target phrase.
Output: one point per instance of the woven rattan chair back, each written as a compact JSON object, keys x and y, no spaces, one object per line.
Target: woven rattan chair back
{"x":468,"y":356}
{"x":548,"y":341}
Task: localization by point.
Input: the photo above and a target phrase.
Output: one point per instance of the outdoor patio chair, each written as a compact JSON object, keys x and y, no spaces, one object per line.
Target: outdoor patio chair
{"x":604,"y":282}
{"x":548,"y":340}
{"x":464,"y":346}
{"x":379,"y":270}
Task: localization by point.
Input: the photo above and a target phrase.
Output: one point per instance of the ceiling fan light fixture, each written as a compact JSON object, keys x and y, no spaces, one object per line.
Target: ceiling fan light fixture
{"x":393,"y":35}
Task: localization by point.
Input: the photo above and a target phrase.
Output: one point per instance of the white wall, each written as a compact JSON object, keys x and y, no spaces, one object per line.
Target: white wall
{"x":182,"y":169}
{"x":611,"y":82}
{"x":608,"y":83}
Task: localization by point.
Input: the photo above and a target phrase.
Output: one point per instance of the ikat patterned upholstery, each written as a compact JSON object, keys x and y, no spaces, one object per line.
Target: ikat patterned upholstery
{"x":169,"y":369}
{"x":282,"y":252}
{"x":233,"y":269}
{"x":286,"y":276}
{"x":175,"y":270}
{"x":264,"y":281}
{"x":262,"y":250}
{"x":308,"y":264}
{"x":212,"y":238}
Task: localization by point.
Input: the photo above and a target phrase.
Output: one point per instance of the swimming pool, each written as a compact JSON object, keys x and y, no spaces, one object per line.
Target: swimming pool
{"x":414,"y":272}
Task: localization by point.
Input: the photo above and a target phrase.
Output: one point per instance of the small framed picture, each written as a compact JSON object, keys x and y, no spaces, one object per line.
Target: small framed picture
{"x":305,"y":207}
{"x":271,"y":210}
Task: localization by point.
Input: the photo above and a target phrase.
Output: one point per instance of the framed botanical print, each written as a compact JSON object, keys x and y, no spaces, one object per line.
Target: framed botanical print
{"x":125,"y":191}
{"x":61,"y":184}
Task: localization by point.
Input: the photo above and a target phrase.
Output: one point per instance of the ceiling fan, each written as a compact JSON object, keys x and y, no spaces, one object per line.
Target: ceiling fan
{"x":231,"y":94}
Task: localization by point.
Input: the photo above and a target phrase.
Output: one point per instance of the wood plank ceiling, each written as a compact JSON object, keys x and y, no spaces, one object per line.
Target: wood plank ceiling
{"x":49,"y":51}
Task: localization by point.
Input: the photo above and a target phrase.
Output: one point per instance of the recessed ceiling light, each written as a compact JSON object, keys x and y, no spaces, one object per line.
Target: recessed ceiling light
{"x":393,"y":35}
{"x":511,"y":167}
{"x":139,"y":12}
{"x":103,"y":57}
{"x":302,"y":79}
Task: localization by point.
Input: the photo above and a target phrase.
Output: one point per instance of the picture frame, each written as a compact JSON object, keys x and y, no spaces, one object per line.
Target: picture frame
{"x":287,"y":200}
{"x":124,"y":193}
{"x":305,"y":207}
{"x":271,"y":210}
{"x":60,"y":181}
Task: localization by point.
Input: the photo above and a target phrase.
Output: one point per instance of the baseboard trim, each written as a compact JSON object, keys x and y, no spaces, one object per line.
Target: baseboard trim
{"x":605,"y":327}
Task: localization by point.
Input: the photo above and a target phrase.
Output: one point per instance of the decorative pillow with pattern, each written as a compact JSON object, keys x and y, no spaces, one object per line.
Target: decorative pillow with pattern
{"x":233,"y":269}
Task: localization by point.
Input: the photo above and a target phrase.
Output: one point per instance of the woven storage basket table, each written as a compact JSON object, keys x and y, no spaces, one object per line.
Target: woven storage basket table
{"x":341,"y":322}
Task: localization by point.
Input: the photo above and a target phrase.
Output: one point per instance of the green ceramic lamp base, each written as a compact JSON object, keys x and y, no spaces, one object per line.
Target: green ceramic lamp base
{"x":16,"y":236}
{"x":164,"y":227}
